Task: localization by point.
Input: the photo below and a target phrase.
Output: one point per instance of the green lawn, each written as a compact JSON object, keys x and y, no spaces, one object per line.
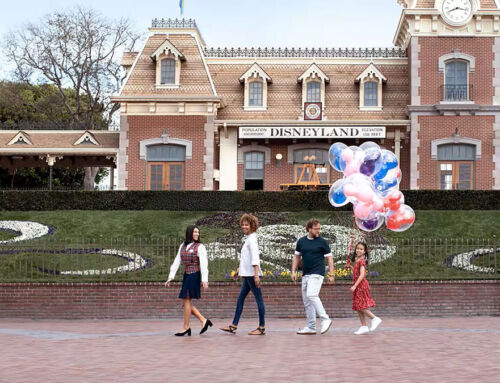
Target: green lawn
{"x":421,"y":251}
{"x":164,"y":224}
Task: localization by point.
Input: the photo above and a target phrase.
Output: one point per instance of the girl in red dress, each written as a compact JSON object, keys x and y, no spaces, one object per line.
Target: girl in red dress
{"x":361,"y":298}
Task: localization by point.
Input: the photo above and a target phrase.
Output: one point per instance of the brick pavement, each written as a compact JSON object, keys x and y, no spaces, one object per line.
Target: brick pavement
{"x":402,"y":350}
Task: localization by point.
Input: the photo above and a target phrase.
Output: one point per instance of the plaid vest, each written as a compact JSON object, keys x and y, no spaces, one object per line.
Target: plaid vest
{"x":190,"y":258}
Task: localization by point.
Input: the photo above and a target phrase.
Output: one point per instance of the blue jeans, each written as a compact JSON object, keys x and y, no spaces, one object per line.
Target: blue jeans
{"x":249,"y":284}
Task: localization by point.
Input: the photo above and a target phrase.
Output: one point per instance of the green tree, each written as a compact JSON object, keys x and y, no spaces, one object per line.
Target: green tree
{"x":25,"y":106}
{"x":76,"y":49}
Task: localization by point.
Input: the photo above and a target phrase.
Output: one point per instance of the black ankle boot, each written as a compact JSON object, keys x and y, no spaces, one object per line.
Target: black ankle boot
{"x":187,"y":332}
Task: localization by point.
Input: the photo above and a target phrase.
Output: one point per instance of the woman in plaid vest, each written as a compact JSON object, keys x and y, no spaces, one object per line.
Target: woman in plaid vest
{"x":193,"y":255}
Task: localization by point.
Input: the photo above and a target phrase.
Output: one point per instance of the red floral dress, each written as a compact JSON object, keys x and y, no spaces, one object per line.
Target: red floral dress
{"x":361,"y":298}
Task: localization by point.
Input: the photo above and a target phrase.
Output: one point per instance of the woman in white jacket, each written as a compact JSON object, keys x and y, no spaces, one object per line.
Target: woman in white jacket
{"x":250,"y":272}
{"x":193,"y":255}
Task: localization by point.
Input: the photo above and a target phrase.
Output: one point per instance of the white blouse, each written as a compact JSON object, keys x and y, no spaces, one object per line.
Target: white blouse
{"x":202,"y":254}
{"x":250,"y":256}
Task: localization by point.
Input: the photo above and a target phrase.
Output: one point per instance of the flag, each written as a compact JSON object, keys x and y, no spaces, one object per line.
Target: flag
{"x":181,"y":6}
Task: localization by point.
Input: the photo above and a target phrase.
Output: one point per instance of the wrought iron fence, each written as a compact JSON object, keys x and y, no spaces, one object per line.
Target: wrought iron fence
{"x":456,"y":93}
{"x":306,"y":52}
{"x":135,"y":259}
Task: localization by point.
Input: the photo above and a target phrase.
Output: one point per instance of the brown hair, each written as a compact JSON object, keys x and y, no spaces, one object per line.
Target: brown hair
{"x":312,"y":222}
{"x":251,"y":220}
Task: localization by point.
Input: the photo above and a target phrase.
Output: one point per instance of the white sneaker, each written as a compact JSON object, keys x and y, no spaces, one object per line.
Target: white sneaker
{"x":306,"y":331}
{"x":362,"y":330}
{"x":325,"y":325}
{"x":375,"y":323}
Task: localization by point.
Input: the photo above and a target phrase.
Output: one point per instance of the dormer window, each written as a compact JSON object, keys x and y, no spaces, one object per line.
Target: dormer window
{"x":86,"y":138}
{"x":371,"y":93}
{"x":313,"y":86}
{"x":255,"y":96}
{"x":168,"y":71}
{"x":370,"y":88}
{"x":168,"y":65}
{"x":313,"y":91}
{"x":21,"y":138}
{"x":255,"y":80}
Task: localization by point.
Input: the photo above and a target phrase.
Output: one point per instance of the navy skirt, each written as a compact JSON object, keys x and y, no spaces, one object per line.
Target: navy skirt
{"x":191,"y":286}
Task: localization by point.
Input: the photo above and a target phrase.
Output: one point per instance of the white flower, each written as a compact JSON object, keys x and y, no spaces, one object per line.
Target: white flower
{"x":277,"y":244}
{"x":136,"y":262}
{"x":463,"y":261}
{"x":27,"y":230}
{"x":30,"y":230}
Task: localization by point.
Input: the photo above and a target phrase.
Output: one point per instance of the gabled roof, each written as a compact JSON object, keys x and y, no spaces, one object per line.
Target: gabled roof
{"x":86,"y":138}
{"x":371,"y":71}
{"x":313,"y":71}
{"x":255,"y":71}
{"x":167,"y":47}
{"x":21,"y":138}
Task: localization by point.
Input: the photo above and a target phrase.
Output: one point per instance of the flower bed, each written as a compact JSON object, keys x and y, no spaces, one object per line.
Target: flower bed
{"x":464,"y":260}
{"x":277,"y":245}
{"x":25,"y":230}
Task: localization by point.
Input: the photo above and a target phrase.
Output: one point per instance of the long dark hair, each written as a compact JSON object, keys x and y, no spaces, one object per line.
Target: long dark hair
{"x":189,"y":234}
{"x":353,"y":255}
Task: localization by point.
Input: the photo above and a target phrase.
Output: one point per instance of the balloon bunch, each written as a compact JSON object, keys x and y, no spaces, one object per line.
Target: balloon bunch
{"x":371,"y":183}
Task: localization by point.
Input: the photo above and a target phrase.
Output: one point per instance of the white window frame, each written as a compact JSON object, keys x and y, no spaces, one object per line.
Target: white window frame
{"x":371,"y":74}
{"x":456,"y":55}
{"x":313,"y":73}
{"x":255,"y":73}
{"x":167,"y":51}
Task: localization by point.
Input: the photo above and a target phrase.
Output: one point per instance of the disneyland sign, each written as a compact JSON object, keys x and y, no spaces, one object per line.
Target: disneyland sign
{"x":334,"y":132}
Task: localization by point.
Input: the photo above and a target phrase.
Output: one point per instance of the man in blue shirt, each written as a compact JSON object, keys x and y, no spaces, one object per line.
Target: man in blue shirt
{"x":313,"y":249}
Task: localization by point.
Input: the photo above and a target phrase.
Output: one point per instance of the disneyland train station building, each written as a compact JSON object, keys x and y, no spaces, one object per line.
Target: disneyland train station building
{"x":199,"y":118}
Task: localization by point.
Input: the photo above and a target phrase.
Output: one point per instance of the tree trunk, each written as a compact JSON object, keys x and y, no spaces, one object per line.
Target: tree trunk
{"x":89,"y":179}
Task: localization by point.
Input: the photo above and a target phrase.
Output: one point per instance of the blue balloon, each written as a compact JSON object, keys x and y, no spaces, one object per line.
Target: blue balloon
{"x":389,"y":161}
{"x":335,"y":156}
{"x":386,"y":185}
{"x":336,"y":194}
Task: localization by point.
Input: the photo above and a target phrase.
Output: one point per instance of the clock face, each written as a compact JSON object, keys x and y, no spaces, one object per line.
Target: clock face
{"x":457,"y":12}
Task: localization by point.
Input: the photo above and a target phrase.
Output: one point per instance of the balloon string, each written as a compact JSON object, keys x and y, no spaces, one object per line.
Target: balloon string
{"x":352,"y":240}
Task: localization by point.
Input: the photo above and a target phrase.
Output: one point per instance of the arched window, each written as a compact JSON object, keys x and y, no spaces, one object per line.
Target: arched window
{"x":313,"y":91}
{"x":254,"y":171}
{"x":255,"y":93}
{"x":371,"y":90}
{"x":456,"y":81}
{"x":165,"y":164}
{"x":168,"y":71}
{"x":456,"y":166}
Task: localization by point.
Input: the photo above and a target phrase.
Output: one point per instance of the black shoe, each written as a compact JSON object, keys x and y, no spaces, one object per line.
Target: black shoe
{"x":188,"y":332}
{"x":208,"y":323}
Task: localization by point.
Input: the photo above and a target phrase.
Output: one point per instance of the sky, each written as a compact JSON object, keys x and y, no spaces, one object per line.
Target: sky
{"x":331,"y":23}
{"x":239,"y":23}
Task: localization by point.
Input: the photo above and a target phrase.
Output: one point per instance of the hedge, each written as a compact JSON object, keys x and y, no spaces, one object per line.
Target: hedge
{"x":230,"y":200}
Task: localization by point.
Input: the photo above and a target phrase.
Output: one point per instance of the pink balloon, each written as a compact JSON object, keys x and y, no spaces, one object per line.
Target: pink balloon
{"x":349,"y":190}
{"x":351,"y":168}
{"x":365,"y":193}
{"x":378,"y":204}
{"x":347,"y":155}
{"x":362,"y":210}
